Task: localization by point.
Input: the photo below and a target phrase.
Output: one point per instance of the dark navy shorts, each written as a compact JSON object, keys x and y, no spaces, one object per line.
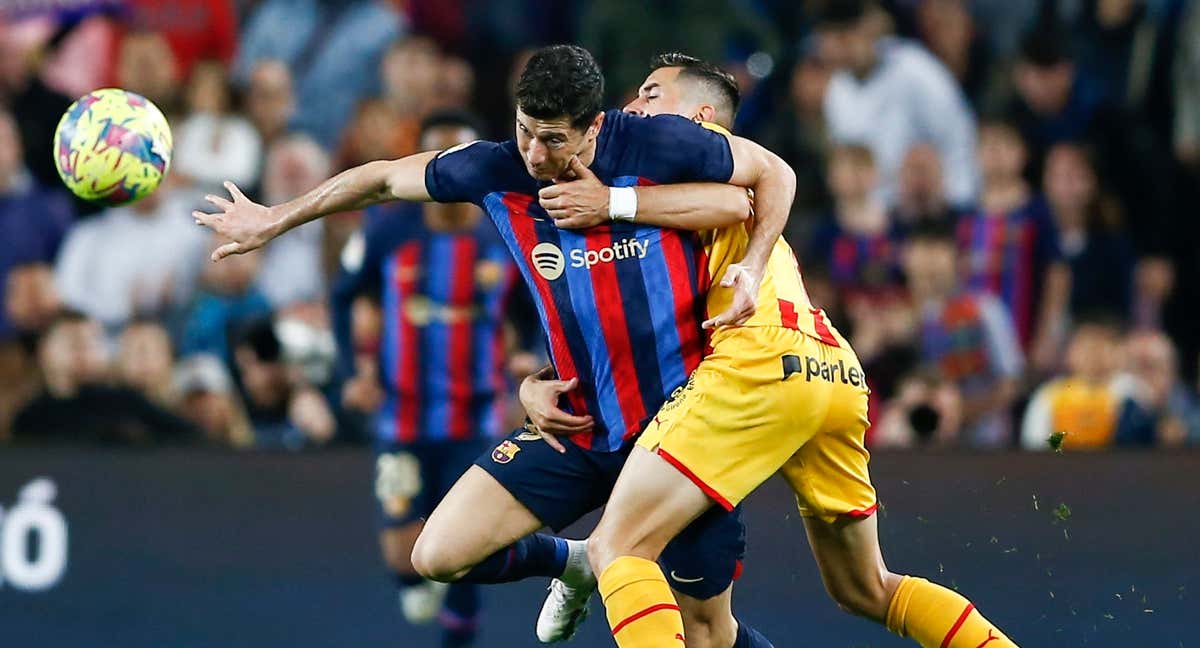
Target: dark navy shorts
{"x":410,"y":479}
{"x":700,"y":562}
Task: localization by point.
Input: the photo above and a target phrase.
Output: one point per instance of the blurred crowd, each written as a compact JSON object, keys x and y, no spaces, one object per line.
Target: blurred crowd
{"x":993,"y":199}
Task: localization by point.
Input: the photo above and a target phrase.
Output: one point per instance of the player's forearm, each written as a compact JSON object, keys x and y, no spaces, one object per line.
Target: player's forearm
{"x":693,"y":206}
{"x":369,"y":184}
{"x":774,"y":185}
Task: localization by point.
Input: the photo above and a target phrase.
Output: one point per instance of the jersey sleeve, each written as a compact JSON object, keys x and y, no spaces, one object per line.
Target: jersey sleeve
{"x":464,"y":173}
{"x":681,"y":149}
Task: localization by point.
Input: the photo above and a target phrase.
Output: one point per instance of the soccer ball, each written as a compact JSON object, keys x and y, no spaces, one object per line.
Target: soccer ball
{"x":112,"y":147}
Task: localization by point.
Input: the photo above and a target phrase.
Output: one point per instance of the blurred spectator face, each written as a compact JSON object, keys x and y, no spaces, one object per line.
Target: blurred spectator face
{"x":1002,"y":153}
{"x":208,"y":399}
{"x":369,"y":133}
{"x":146,"y":65}
{"x":1044,"y":88}
{"x":234,"y":274}
{"x":1069,"y":182}
{"x":72,"y":354}
{"x":30,"y":298}
{"x":411,"y":71}
{"x":266,"y":381}
{"x":931,"y":267}
{"x":269,"y":99}
{"x":1115,"y":13}
{"x":1150,"y":356}
{"x":946,"y":27}
{"x":851,"y":173}
{"x":921,"y":180}
{"x":144,"y":357}
{"x":1093,"y":353}
{"x":849,"y":47}
{"x":208,"y":89}
{"x":294,"y":165}
{"x":809,"y":79}
{"x":11,"y":154}
{"x":455,"y":84}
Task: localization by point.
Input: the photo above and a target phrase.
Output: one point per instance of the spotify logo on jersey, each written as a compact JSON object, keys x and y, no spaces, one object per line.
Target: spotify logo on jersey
{"x":548,"y":260}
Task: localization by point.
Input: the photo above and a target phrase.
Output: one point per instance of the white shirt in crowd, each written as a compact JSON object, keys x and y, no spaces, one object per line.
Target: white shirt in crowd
{"x":124,"y":262}
{"x":909,"y":98}
{"x":211,"y":149}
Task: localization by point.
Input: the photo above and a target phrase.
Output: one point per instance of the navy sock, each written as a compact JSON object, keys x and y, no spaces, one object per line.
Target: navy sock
{"x":404,"y":580}
{"x":534,"y":555}
{"x":748,"y":637}
{"x":459,"y":616}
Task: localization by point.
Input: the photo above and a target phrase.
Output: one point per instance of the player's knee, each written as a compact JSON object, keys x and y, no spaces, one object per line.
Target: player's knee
{"x":432,"y":560}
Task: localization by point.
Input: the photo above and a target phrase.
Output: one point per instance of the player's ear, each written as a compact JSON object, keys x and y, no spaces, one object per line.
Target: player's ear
{"x":706,"y":113}
{"x":594,"y":129}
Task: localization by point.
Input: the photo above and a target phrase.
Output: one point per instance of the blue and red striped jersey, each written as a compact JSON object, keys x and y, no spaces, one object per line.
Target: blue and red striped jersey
{"x":621,"y":303}
{"x":443,"y":297}
{"x":1007,"y":255}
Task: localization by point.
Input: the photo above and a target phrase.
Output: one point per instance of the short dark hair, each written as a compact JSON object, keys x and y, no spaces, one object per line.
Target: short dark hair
{"x":841,"y":14}
{"x":259,"y":337}
{"x":450,"y":118}
{"x":561,"y":81}
{"x":932,"y":230}
{"x":1046,"y":46}
{"x":714,"y":79}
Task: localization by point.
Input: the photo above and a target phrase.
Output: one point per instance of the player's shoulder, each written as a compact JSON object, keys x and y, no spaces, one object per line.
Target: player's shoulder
{"x":631,"y":128}
{"x":662,"y":148}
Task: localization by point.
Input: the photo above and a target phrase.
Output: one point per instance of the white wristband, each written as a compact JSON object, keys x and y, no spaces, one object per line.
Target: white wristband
{"x":622,"y":203}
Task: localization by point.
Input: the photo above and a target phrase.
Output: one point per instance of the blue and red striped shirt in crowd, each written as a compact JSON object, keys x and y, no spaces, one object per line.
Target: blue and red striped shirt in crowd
{"x":444,"y":297}
{"x":1007,"y":255}
{"x":621,"y":303}
{"x":858,"y":265}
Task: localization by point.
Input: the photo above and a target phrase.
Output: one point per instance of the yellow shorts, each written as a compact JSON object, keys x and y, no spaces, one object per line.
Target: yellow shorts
{"x":771,"y":399}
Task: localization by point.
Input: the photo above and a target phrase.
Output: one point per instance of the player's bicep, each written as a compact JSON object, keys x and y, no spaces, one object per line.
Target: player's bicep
{"x":752,"y":162}
{"x":406,"y":177}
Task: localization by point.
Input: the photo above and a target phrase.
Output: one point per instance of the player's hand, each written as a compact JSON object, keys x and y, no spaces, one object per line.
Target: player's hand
{"x":744,"y":282}
{"x":578,"y":203}
{"x":539,"y":395}
{"x":247,"y":224}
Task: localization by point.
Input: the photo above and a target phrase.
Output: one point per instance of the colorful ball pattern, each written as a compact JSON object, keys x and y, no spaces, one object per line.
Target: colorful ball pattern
{"x":112,"y":147}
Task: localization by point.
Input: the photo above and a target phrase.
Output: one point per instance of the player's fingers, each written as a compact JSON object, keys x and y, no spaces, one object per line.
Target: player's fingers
{"x":234,"y":191}
{"x":566,"y":422}
{"x":220,"y":202}
{"x":552,"y":441}
{"x":202,"y":218}
{"x":570,"y":222}
{"x":553,"y":191}
{"x":580,"y":169}
{"x":551,"y":204}
{"x":226,"y":250}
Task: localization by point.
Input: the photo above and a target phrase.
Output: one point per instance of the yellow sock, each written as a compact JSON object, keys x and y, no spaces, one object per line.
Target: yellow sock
{"x":641,"y":609}
{"x":936,"y":617}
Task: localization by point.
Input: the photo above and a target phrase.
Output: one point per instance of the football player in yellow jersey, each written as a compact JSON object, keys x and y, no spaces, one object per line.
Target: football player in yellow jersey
{"x":780,"y":390}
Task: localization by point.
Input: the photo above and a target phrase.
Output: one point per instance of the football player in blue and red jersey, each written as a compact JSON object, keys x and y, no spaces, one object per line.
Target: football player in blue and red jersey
{"x":433,"y":289}
{"x":621,"y":303}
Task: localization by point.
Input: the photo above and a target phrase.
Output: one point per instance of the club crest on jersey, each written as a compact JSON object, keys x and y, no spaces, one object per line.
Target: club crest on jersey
{"x":505,"y":452}
{"x":488,"y":273}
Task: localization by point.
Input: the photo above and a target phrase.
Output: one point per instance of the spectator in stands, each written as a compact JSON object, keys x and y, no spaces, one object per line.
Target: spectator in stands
{"x":291,"y":270}
{"x":798,"y":135}
{"x":456,"y":85}
{"x":411,"y":74}
{"x":327,"y":44}
{"x":284,"y":411}
{"x":1100,"y":257}
{"x":1164,"y":404}
{"x":226,"y":301}
{"x":143,"y":259}
{"x":948,"y":30}
{"x":1092,"y":404}
{"x":966,"y":339}
{"x":859,"y":246}
{"x":921,"y":189}
{"x":78,"y":405}
{"x":1010,"y":245}
{"x":270,"y":102}
{"x":891,"y":95}
{"x":214,"y":144}
{"x":146,"y":65}
{"x":145,"y":361}
{"x":208,"y":399}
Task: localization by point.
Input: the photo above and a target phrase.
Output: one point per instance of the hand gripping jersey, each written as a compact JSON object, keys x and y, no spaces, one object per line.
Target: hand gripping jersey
{"x":621,"y":303}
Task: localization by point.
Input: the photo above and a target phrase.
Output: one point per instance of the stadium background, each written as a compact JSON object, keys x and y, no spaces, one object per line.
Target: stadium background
{"x":222,"y":546}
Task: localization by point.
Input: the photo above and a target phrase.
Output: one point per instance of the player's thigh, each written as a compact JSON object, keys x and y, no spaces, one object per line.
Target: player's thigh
{"x":650,"y":504}
{"x":477,"y":518}
{"x":849,"y":558}
{"x":709,"y":622}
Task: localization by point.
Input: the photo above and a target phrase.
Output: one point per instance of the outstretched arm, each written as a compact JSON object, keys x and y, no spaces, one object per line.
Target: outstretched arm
{"x":249,"y":225}
{"x":586,"y":201}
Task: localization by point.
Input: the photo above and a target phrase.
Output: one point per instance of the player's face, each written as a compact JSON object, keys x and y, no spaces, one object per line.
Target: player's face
{"x":547,"y":145}
{"x":660,"y":94}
